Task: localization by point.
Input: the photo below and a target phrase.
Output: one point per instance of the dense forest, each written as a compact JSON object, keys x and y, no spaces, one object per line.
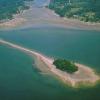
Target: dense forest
{"x":10,"y":7}
{"x":65,"y":65}
{"x":85,"y":10}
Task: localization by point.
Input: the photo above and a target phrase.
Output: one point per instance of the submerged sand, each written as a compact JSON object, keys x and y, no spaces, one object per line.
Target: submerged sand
{"x":84,"y":74}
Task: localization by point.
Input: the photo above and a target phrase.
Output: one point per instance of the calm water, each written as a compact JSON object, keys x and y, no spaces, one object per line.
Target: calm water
{"x":20,"y":80}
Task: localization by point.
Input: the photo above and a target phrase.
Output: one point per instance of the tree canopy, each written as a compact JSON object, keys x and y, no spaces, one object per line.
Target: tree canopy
{"x":65,"y":65}
{"x":10,"y":7}
{"x":86,"y":10}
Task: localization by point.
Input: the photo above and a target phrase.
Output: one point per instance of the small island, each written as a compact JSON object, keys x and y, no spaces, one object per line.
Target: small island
{"x":73,"y":74}
{"x":65,"y":65}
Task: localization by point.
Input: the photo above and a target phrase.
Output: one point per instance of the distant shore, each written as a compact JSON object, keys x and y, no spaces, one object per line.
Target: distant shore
{"x":50,"y":18}
{"x":84,"y":75}
{"x":74,"y":23}
{"x":12,"y":23}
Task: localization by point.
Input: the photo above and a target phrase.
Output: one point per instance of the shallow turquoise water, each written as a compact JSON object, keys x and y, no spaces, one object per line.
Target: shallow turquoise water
{"x":20,"y":80}
{"x":79,"y":45}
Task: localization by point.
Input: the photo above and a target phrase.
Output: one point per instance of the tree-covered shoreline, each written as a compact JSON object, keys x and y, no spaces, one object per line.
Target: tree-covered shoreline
{"x":84,"y":10}
{"x":10,"y":7}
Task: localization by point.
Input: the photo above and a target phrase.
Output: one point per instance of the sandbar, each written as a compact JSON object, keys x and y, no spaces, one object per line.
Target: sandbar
{"x":84,"y":74}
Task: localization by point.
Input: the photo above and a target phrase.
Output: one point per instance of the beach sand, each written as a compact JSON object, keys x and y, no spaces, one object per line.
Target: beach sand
{"x":12,"y":23}
{"x":84,"y":74}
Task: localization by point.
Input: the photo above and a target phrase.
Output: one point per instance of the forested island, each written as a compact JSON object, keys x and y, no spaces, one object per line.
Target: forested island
{"x":10,"y":7}
{"x":65,"y":65}
{"x":84,"y":10}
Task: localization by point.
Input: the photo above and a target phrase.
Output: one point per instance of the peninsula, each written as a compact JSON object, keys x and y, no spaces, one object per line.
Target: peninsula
{"x":80,"y":74}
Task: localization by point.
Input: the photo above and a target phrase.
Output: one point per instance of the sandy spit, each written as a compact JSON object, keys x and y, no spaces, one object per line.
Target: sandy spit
{"x":84,"y":74}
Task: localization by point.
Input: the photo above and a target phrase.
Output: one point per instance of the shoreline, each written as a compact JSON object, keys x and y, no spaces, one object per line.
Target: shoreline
{"x":12,"y":23}
{"x":22,"y":20}
{"x":83,"y":75}
{"x":73,"y":23}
